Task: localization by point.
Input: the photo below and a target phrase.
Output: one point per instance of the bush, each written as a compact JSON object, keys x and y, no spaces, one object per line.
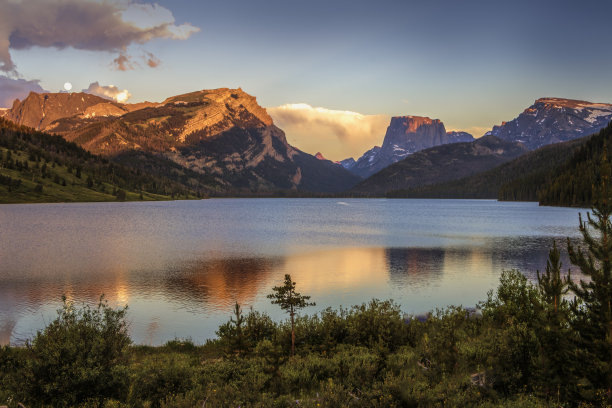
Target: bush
{"x":79,"y":356}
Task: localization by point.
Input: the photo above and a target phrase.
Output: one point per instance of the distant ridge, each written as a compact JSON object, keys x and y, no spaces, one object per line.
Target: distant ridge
{"x":441,"y":163}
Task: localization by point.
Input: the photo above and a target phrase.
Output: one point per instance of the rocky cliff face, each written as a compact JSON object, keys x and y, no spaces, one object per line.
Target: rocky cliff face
{"x":405,"y":135}
{"x":553,"y":120}
{"x":222,"y":134}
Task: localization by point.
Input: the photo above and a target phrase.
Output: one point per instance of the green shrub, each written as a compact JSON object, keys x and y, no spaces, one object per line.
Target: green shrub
{"x":79,"y":356}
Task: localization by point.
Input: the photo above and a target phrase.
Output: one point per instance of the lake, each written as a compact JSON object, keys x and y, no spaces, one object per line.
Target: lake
{"x":181,"y":265}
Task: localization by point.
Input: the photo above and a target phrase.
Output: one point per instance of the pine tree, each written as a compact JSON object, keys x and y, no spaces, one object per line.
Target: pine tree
{"x":554,"y":368}
{"x":551,"y":285}
{"x":290,"y":301}
{"x":593,"y":307}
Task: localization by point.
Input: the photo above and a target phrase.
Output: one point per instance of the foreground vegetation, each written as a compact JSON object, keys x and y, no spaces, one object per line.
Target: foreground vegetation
{"x":527,"y":345}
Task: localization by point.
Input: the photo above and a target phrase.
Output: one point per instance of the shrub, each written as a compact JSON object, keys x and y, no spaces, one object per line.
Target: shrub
{"x":79,"y":356}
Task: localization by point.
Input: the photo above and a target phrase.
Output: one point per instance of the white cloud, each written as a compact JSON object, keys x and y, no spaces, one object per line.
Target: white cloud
{"x":11,"y":89}
{"x":335,"y":133}
{"x":83,"y":24}
{"x":108,"y":92}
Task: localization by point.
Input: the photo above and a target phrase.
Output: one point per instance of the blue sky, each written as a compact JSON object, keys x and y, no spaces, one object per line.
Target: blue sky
{"x":471,"y":64}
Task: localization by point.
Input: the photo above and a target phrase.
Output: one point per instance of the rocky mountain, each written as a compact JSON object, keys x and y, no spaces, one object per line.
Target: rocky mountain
{"x":221,"y":134}
{"x":553,"y":120}
{"x":362,"y":166}
{"x":405,"y":135}
{"x":441,"y":163}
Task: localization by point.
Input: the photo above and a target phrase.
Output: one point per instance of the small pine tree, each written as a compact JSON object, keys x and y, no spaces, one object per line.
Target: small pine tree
{"x":551,"y":285}
{"x":554,"y":369}
{"x":290,"y":301}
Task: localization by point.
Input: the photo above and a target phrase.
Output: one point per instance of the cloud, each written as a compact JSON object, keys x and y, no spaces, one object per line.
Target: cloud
{"x":110,"y":25}
{"x":337,"y":134}
{"x":108,"y":92}
{"x":152,"y":60}
{"x":11,"y":89}
{"x":123,"y":63}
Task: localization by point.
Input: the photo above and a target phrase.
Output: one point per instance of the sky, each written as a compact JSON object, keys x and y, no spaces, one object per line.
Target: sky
{"x":331,"y":73}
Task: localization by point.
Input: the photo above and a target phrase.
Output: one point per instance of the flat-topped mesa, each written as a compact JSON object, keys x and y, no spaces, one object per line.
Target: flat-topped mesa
{"x":413,"y":133}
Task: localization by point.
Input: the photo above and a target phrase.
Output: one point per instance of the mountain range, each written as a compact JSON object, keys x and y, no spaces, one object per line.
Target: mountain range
{"x":221,"y":134}
{"x":222,"y":142}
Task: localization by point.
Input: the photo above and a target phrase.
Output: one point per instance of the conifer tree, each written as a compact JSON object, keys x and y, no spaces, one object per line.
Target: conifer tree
{"x":550,"y":283}
{"x":290,"y":301}
{"x":593,"y":307}
{"x":554,"y":368}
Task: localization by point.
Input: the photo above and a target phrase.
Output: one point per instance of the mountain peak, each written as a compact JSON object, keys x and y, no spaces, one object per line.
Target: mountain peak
{"x":552,"y":120}
{"x":224,"y":99}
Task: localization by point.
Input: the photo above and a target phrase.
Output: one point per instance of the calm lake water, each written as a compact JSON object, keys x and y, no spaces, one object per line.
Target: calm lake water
{"x":181,"y":265}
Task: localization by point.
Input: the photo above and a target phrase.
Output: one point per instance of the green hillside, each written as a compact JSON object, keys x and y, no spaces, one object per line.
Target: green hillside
{"x":520,"y":179}
{"x":560,"y":174}
{"x":574,"y":184}
{"x":38,"y":167}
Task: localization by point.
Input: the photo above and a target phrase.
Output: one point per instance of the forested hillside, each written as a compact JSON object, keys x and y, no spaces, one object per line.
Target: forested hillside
{"x":559,"y":174}
{"x":575,"y":182}
{"x":536,"y":168}
{"x":38,"y":167}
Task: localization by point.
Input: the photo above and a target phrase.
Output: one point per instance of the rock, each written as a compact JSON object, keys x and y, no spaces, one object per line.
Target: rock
{"x":405,"y":135}
{"x":553,"y":120}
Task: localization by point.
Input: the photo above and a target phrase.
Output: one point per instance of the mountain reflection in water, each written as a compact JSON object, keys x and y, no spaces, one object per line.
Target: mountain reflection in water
{"x":180,"y":266}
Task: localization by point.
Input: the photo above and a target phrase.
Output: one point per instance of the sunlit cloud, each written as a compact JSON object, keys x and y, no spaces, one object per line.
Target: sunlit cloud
{"x":11,"y":89}
{"x":337,"y":134}
{"x":151,"y":60}
{"x":108,"y":92}
{"x":84,"y":25}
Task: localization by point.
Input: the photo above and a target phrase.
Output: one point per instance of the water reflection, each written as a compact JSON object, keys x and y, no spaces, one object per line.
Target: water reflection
{"x":180,"y":266}
{"x":219,"y":283}
{"x":190,"y":301}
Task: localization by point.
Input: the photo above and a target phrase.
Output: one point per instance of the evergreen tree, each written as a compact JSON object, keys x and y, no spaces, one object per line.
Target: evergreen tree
{"x":551,"y":285}
{"x":290,"y":301}
{"x":233,"y":332}
{"x":593,"y":307}
{"x":554,"y":368}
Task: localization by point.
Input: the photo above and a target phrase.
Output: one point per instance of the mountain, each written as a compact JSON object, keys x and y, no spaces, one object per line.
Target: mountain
{"x":222,"y":135}
{"x":553,"y":120}
{"x":361,"y":167}
{"x":39,"y":167}
{"x":441,"y":163}
{"x":574,"y":183}
{"x":405,"y":135}
{"x":459,"y":137}
{"x":520,"y":178}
